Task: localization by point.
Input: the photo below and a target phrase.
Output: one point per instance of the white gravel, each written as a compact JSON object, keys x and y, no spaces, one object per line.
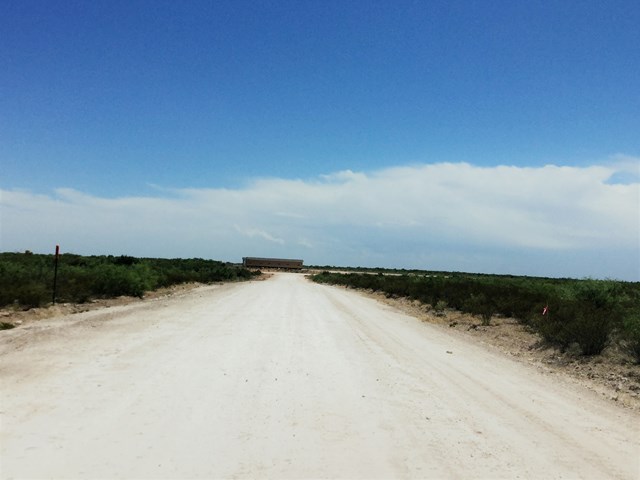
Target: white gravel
{"x":287,"y":379}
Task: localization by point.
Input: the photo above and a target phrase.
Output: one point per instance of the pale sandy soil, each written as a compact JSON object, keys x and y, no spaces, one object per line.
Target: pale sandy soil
{"x":289,"y":379}
{"x":614,"y":374}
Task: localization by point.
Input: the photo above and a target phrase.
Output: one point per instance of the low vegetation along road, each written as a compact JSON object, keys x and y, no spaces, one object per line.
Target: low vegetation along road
{"x":284,"y":378}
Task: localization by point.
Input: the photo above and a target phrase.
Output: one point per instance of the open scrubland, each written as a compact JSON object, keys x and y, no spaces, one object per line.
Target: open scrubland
{"x":27,"y":279}
{"x":585,"y":316}
{"x":285,"y":378}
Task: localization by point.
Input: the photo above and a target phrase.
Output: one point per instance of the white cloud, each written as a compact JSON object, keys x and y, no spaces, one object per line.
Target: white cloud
{"x":254,"y":232}
{"x":435,"y":215}
{"x":626,"y":170}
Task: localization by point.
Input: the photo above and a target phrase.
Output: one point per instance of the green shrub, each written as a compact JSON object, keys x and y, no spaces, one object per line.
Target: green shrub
{"x":631,"y":335}
{"x":440,"y":307}
{"x":27,"y":279}
{"x":582,"y":312}
{"x":590,"y":329}
{"x":31,"y":295}
{"x":486,"y":317}
{"x":598,"y":313}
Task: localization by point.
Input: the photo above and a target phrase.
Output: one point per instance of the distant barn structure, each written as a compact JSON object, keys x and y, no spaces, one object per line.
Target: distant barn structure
{"x":284,"y":263}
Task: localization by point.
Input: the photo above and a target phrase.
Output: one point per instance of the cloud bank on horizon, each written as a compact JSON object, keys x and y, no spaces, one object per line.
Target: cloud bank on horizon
{"x":549,"y":220}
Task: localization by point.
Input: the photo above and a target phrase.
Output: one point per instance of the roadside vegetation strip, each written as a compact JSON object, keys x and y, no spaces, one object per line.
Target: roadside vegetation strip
{"x":589,"y":314}
{"x":26,"y":279}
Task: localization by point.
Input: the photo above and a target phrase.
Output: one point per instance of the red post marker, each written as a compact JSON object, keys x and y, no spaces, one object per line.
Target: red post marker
{"x":57,"y":250}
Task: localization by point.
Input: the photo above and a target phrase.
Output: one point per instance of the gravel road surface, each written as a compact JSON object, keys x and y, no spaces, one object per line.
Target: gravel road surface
{"x":284,"y":378}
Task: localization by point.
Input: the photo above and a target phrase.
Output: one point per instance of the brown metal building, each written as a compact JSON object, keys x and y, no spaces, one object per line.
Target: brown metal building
{"x":286,"y":263}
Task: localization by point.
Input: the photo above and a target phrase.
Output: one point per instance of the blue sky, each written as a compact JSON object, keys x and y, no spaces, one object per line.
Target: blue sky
{"x":111,"y":105}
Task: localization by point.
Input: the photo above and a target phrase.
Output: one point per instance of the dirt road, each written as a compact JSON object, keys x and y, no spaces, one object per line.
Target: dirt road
{"x":288,"y":379}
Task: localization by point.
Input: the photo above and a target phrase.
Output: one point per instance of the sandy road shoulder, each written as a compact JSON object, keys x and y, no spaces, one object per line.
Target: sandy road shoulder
{"x":612,"y":375}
